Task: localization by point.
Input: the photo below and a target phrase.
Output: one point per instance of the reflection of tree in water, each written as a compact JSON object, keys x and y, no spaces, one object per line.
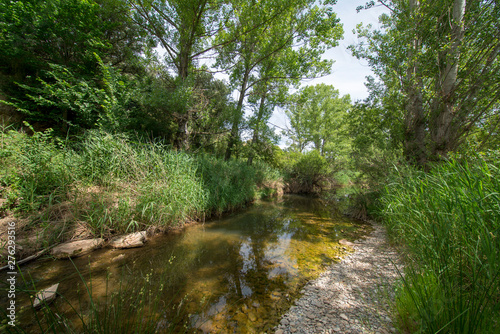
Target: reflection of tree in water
{"x":252,"y":282}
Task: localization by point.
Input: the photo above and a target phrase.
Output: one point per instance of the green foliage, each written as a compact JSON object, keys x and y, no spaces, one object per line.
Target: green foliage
{"x":318,"y":117}
{"x":52,"y":45}
{"x":35,"y":169}
{"x":271,"y":43}
{"x":114,"y":183}
{"x":71,"y":99}
{"x":375,"y":145}
{"x":189,"y":113}
{"x":229,"y":184}
{"x":306,"y":173}
{"x":183,"y":28}
{"x":448,"y":219}
{"x":438,"y":70}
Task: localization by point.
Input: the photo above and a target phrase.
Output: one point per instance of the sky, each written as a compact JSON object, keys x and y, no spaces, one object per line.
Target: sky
{"x":348,"y":73}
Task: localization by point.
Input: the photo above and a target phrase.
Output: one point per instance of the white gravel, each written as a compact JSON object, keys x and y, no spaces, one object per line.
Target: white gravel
{"x":351,"y":296}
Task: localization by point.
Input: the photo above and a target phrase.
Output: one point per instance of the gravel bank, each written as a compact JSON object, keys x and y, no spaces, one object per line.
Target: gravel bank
{"x":350,"y":297}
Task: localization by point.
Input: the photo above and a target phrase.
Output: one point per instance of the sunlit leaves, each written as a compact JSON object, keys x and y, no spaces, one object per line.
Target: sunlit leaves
{"x":318,"y":116}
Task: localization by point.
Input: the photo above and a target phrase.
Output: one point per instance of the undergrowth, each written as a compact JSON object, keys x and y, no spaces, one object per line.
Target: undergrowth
{"x":449,"y":222}
{"x":116,"y":183}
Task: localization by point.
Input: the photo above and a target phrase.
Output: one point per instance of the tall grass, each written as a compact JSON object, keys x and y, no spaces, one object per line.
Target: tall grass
{"x":135,"y":307}
{"x":449,"y":221}
{"x":116,"y":183}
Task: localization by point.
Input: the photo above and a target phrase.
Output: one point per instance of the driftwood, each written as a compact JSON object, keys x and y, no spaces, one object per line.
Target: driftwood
{"x":29,"y":258}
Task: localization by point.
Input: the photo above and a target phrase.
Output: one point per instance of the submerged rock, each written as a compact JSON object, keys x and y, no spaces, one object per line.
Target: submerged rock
{"x":252,"y":317}
{"x":45,"y":296}
{"x":118,"y":258}
{"x":131,"y":240}
{"x":76,"y":248}
{"x":346,"y":242}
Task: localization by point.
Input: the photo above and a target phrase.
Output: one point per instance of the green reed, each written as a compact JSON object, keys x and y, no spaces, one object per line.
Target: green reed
{"x":118,"y":183}
{"x":449,"y":221}
{"x":136,"y":306}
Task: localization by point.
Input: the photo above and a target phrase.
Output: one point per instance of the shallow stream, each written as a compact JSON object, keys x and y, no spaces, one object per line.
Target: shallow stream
{"x":235,"y":274}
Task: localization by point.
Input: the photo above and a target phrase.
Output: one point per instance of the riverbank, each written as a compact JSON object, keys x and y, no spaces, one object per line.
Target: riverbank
{"x":352,"y":296}
{"x":103,"y":185}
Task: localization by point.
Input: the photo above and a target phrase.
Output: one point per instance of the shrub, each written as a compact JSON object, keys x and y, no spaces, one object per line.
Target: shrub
{"x":35,"y":168}
{"x":307,"y":173}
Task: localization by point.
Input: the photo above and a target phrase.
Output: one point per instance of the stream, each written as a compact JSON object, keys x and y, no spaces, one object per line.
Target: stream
{"x":238,"y":274}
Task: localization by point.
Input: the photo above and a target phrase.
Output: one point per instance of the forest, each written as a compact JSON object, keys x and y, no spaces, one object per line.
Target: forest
{"x":137,"y":114}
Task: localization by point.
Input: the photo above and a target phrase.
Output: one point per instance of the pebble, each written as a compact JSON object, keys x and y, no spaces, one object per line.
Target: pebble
{"x":350,"y":297}
{"x":252,"y":317}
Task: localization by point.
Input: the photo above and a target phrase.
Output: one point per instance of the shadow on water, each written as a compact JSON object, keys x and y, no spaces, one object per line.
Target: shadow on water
{"x":236,"y":274}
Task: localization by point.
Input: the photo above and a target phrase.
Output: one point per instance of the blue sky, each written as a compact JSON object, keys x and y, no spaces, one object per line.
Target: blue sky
{"x":348,"y":73}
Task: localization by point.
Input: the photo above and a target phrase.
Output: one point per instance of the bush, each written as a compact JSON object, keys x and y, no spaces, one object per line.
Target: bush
{"x":449,"y":220}
{"x":35,"y":169}
{"x":228,"y":184}
{"x":307,"y":173}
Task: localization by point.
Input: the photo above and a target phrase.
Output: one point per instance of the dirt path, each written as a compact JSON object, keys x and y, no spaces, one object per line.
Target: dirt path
{"x":351,"y":297}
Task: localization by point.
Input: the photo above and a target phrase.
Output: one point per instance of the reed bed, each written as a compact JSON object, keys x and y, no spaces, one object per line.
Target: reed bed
{"x":448,"y":221}
{"x":118,"y":183}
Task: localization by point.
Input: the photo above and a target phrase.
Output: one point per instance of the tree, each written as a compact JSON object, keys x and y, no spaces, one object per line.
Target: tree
{"x":443,"y":56}
{"x":185,"y":30}
{"x":297,"y":31}
{"x":265,"y":96}
{"x":164,"y":98}
{"x":317,"y":117}
{"x":37,"y":35}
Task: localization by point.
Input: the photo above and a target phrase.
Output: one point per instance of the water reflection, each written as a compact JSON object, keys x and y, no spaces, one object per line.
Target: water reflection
{"x":237,"y":274}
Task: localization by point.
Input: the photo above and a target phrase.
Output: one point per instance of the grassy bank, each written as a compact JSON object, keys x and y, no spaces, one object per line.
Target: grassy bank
{"x":448,"y":220}
{"x":103,"y":184}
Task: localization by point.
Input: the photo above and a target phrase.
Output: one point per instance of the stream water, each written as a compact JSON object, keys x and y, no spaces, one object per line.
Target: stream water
{"x":235,"y":274}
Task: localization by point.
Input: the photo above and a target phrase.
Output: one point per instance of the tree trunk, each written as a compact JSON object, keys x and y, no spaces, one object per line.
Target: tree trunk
{"x":255,"y":136}
{"x":414,"y":140}
{"x":233,"y":136}
{"x":415,"y":150}
{"x":443,"y":128}
{"x":186,"y":43}
{"x":183,"y":132}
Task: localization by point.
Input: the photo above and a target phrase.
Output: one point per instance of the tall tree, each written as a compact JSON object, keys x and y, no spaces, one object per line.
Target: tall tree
{"x":317,"y":117}
{"x":300,"y":29}
{"x":444,"y":57}
{"x":265,"y":96}
{"x":183,"y":28}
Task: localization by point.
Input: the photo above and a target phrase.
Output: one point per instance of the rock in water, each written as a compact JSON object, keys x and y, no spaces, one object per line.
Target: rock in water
{"x":76,"y":248}
{"x":346,"y":243}
{"x":131,"y":240}
{"x":45,"y":296}
{"x":252,"y":317}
